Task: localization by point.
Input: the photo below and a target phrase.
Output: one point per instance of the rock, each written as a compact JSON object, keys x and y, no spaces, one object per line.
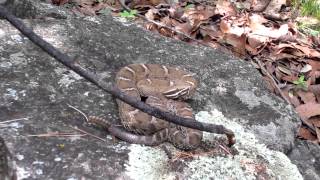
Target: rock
{"x":3,"y":1}
{"x":7,"y":171}
{"x":34,"y":9}
{"x":38,"y":89}
{"x":306,"y":156}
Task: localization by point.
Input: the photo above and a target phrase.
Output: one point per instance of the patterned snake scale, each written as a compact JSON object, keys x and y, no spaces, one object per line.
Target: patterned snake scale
{"x":162,"y":87}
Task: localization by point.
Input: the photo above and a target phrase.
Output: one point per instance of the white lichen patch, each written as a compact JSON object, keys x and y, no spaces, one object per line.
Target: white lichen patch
{"x":68,"y":78}
{"x":38,"y":171}
{"x":220,"y":88}
{"x":12,"y":93}
{"x":254,"y":158}
{"x":18,"y":59}
{"x":86,"y":167}
{"x":268,"y":100}
{"x":15,"y":125}
{"x":147,"y":163}
{"x":22,"y":173}
{"x":17,"y":38}
{"x":37,"y":163}
{"x":4,"y":64}
{"x":216,"y":168}
{"x":2,"y":33}
{"x":249,"y":98}
{"x":245,"y":92}
{"x":93,"y":19}
{"x":20,"y":157}
{"x":124,"y":21}
{"x":252,"y":161}
{"x":52,"y":34}
{"x":57,"y":159}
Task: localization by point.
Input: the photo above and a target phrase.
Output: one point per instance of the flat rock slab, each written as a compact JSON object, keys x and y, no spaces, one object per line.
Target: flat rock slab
{"x":37,"y":90}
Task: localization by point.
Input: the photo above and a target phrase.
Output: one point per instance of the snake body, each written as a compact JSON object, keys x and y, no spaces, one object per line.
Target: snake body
{"x":162,"y":87}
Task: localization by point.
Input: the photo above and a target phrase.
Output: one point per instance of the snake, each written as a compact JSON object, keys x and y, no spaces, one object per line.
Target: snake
{"x":161,"y":86}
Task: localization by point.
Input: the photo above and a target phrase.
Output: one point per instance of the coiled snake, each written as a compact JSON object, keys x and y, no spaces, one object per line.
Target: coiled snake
{"x":162,"y":87}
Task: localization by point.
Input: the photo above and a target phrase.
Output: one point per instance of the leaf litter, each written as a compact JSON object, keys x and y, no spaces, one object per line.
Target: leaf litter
{"x":263,"y":33}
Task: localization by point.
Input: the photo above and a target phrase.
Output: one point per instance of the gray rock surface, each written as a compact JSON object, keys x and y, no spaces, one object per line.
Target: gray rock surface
{"x":7,"y":168}
{"x":39,"y":89}
{"x":307,"y":157}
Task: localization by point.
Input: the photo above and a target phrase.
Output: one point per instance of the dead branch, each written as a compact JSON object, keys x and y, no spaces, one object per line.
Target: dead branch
{"x":87,"y":133}
{"x":56,"y":134}
{"x":14,"y":120}
{"x":67,"y":61}
{"x":82,"y":113}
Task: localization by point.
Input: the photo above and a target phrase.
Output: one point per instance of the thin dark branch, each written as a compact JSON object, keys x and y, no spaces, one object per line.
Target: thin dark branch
{"x":67,"y":61}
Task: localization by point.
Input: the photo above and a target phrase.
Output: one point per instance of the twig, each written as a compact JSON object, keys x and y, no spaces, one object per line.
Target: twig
{"x":56,"y":134}
{"x":225,"y":149}
{"x":13,"y":120}
{"x":5,"y":126}
{"x":184,"y":155}
{"x":85,"y":116}
{"x":66,"y":134}
{"x":87,"y":119}
{"x":115,"y":91}
{"x":87,"y":133}
{"x":274,"y":82}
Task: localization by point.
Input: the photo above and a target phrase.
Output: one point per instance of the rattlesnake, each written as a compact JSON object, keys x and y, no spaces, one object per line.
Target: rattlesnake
{"x":162,"y":87}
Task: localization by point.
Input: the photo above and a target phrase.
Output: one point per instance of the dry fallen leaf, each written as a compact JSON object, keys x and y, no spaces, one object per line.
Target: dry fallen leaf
{"x":225,"y":8}
{"x":315,"y":121}
{"x":306,"y":134}
{"x":308,"y":110}
{"x":318,"y":134}
{"x":307,"y":97}
{"x":238,"y":43}
{"x":196,"y":15}
{"x":306,"y":68}
{"x":307,"y":51}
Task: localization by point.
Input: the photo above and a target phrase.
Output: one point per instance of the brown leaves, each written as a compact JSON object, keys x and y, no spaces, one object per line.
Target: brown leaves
{"x":225,"y":8}
{"x":238,"y":42}
{"x":297,"y":50}
{"x":308,"y":110}
{"x":197,"y":14}
{"x":306,"y":134}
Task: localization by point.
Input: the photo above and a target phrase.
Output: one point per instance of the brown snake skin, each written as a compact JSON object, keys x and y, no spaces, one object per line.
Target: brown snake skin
{"x":162,"y":87}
